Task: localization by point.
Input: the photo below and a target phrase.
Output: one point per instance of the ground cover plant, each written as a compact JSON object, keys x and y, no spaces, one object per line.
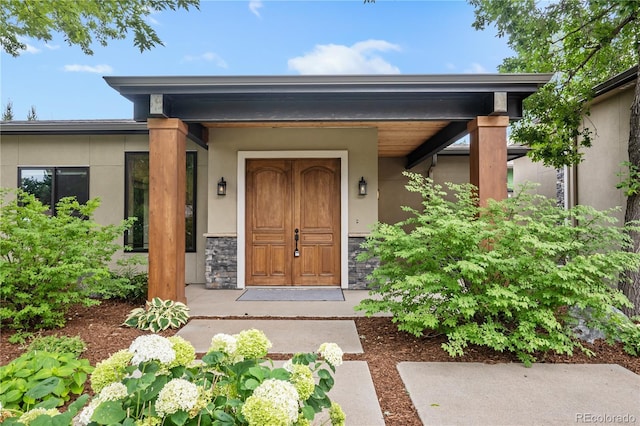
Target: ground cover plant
{"x":501,"y":276}
{"x":50,"y":262}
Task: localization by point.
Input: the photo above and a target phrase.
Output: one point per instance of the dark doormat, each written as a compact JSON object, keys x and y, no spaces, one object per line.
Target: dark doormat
{"x":292,"y":294}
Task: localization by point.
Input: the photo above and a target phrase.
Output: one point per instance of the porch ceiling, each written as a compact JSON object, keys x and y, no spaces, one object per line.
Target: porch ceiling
{"x":395,"y":138}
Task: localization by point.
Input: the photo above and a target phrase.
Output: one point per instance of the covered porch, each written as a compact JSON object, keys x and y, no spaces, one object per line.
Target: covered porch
{"x":366,"y":118}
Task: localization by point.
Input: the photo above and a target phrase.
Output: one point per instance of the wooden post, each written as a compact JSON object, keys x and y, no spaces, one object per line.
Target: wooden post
{"x":167,"y":192}
{"x":488,"y":157}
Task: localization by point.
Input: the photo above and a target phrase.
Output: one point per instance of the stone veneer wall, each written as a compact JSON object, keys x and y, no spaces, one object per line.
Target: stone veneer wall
{"x":358,"y":271}
{"x":221,"y":262}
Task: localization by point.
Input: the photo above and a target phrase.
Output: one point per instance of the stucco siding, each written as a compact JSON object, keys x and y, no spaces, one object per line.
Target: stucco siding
{"x":393,"y":192}
{"x":597,"y":174}
{"x":225,"y":143}
{"x":526,"y":171}
{"x":105,"y":156}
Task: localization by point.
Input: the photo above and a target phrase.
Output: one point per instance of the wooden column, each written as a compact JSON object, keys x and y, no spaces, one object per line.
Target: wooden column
{"x":488,"y":157}
{"x":167,"y":192}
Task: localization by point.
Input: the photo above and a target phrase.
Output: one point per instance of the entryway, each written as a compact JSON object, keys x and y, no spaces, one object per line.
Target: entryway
{"x":293,"y":222}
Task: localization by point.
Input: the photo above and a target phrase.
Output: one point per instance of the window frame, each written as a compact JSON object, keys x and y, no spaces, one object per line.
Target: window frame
{"x":54,"y":198}
{"x":194,"y":226}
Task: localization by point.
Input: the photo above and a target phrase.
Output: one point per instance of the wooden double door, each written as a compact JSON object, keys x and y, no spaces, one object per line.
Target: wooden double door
{"x":293,"y":222}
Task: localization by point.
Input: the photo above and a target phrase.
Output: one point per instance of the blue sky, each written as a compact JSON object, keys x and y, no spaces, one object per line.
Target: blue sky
{"x":253,"y":38}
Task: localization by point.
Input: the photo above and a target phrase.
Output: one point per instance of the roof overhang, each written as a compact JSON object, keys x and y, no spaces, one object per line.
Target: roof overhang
{"x":328,"y":98}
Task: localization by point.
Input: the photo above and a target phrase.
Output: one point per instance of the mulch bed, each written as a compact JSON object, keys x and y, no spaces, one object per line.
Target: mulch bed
{"x":384,"y":347}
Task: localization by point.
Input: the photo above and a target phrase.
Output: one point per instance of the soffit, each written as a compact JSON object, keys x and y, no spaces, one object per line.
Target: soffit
{"x":395,"y":138}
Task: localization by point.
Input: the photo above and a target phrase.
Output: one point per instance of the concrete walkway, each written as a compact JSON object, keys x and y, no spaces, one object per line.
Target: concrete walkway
{"x":443,"y":393}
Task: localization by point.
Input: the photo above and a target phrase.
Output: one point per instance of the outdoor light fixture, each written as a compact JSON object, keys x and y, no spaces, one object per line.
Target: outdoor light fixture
{"x":222,"y":186}
{"x":362,"y":186}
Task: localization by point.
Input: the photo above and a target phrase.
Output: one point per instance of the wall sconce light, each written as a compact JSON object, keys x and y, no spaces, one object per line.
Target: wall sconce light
{"x":362,"y":186}
{"x":222,"y":186}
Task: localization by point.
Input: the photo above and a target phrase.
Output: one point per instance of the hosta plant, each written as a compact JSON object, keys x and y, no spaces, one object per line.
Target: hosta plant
{"x":502,"y":276}
{"x":158,"y":381}
{"x":158,"y":315}
{"x":41,"y":379}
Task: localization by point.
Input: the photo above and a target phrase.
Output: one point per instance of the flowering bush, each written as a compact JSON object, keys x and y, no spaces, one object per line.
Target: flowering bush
{"x":158,"y":381}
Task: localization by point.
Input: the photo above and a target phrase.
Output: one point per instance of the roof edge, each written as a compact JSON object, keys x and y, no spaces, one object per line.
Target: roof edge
{"x":89,"y":127}
{"x":616,"y":81}
{"x":300,"y":83}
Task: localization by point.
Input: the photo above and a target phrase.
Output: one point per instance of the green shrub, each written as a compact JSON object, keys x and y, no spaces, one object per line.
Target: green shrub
{"x":42,"y":379}
{"x":126,"y":283}
{"x":58,"y":344}
{"x":158,"y":315}
{"x":500,"y":276}
{"x":49,"y":263}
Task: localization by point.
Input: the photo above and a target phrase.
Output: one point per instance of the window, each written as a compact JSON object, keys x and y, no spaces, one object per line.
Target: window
{"x":137,"y":200}
{"x":50,"y":184}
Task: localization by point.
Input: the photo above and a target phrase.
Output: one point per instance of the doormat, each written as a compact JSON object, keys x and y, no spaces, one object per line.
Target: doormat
{"x":292,"y":295}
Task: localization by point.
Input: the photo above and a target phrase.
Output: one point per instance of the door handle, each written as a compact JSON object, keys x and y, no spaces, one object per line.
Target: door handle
{"x":296,"y":252}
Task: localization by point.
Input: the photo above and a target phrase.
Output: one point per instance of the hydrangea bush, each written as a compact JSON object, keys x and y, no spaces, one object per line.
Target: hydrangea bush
{"x":158,"y":381}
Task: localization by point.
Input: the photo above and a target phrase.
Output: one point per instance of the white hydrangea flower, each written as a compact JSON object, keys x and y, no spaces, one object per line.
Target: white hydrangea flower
{"x":225,"y":343}
{"x":288,"y":365}
{"x":113,"y":392}
{"x":149,"y":347}
{"x":178,"y":394}
{"x":282,"y":395}
{"x":332,"y":353}
{"x":84,"y":417}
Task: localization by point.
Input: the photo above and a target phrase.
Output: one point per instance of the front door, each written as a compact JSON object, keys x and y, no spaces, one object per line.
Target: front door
{"x":293,"y":222}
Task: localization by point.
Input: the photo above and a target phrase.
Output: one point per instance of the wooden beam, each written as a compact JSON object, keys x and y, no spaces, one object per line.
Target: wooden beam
{"x":488,"y":157}
{"x":167,"y":183}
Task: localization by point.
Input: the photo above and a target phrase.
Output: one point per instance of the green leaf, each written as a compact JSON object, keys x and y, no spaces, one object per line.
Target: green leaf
{"x":309,"y":412}
{"x":44,"y":388}
{"x":223,"y":417}
{"x":257,"y":372}
{"x":163,"y":323}
{"x":11,"y":396}
{"x":280,"y":374}
{"x":251,"y":384}
{"x":179,"y":418}
{"x":109,"y":412}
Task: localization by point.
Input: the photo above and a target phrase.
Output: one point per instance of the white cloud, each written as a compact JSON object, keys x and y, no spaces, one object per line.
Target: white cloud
{"x":254,"y":6}
{"x":29,"y":48}
{"x":99,"y":69}
{"x":476,"y":68}
{"x":450,"y":66}
{"x":360,"y":58}
{"x":52,"y":46}
{"x":209,"y":57}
